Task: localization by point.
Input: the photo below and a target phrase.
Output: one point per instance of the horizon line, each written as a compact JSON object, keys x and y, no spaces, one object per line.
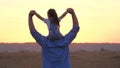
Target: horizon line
{"x":71,"y":43}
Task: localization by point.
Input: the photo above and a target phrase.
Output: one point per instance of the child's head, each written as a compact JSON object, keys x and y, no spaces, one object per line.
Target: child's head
{"x":52,"y":15}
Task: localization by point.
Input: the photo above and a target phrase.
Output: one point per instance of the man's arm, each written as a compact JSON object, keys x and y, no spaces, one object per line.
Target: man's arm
{"x":36,"y":35}
{"x":75,"y":20}
{"x":30,"y":20}
{"x":72,"y":34}
{"x":63,"y":15}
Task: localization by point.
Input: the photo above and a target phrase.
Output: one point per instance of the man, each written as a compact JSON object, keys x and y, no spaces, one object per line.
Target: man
{"x":55,"y":53}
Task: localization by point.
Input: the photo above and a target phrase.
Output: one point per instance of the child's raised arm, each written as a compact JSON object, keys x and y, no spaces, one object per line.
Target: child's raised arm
{"x":63,"y":15}
{"x":40,"y":17}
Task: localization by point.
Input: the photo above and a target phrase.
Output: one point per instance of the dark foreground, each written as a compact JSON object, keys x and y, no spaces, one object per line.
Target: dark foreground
{"x":78,"y":60}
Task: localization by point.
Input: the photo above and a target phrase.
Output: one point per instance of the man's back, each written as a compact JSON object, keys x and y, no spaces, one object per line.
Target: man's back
{"x":55,"y":57}
{"x":55,"y":54}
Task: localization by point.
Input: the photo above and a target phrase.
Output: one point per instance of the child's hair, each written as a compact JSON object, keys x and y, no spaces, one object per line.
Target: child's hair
{"x":52,"y":14}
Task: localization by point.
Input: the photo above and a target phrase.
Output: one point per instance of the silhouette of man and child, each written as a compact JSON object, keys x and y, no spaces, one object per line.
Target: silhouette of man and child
{"x":55,"y":47}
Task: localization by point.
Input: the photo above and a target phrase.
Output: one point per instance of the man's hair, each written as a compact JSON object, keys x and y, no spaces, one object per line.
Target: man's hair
{"x":52,"y":13}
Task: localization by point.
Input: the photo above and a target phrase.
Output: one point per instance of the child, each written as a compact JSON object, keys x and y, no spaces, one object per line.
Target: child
{"x":53,"y":24}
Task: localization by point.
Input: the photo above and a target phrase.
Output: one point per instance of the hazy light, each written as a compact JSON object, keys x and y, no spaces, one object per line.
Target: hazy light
{"x":99,"y":19}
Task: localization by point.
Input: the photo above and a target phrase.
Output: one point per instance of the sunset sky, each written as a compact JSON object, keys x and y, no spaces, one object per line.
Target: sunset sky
{"x":99,"y":19}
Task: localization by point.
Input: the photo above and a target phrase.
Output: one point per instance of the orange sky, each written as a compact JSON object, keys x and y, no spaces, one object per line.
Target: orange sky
{"x":99,"y":19}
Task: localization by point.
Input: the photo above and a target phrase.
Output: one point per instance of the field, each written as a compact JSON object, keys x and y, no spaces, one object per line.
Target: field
{"x":80,"y":59}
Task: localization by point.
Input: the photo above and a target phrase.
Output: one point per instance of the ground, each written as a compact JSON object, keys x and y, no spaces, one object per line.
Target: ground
{"x":80,"y":59}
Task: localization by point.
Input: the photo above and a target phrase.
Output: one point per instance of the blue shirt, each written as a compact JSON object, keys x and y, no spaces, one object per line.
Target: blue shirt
{"x":55,"y":54}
